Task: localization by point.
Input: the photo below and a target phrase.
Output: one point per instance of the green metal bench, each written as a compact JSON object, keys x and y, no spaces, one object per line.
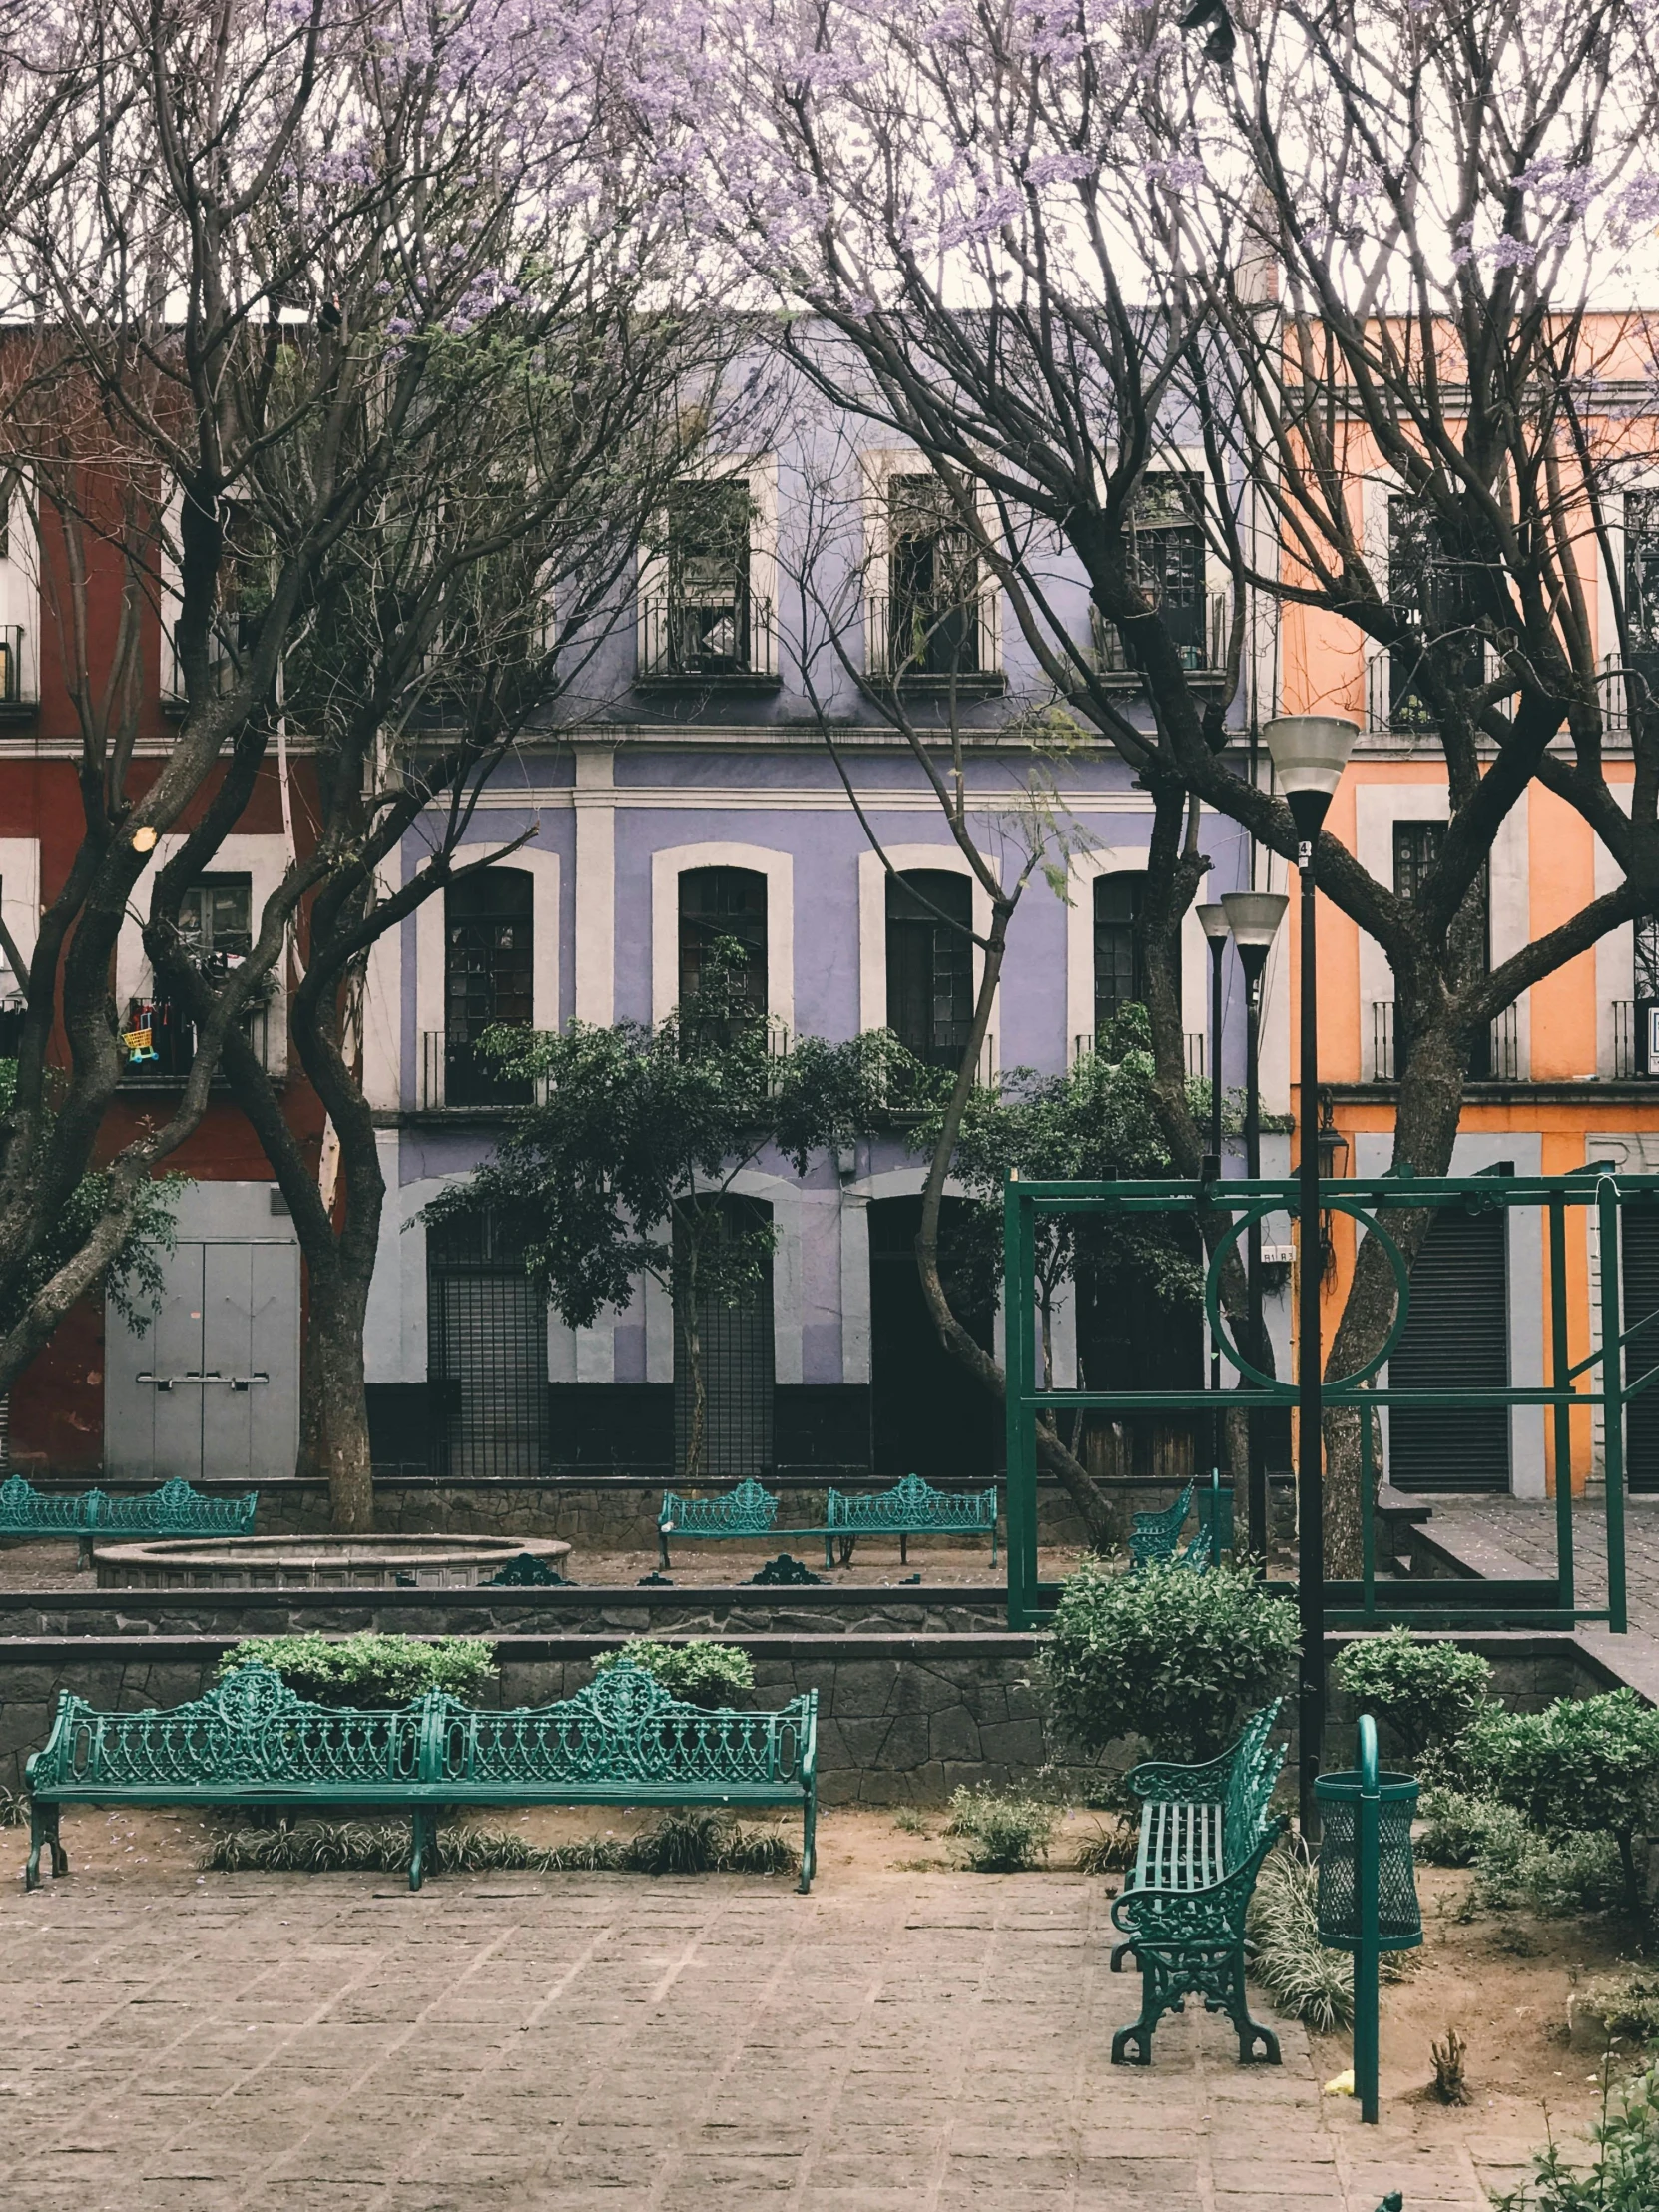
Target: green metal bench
{"x":1204,"y":1833}
{"x":749,"y":1510}
{"x":911,"y":1507}
{"x":1156,"y":1535}
{"x":174,"y":1510}
{"x":250,"y":1741}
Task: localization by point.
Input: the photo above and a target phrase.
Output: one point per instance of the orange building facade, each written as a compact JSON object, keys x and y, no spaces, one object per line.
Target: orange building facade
{"x":1564,"y":1078}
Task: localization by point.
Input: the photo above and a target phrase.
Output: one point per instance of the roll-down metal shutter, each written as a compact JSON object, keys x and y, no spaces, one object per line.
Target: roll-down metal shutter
{"x":1639,"y":1246}
{"x":1457,"y":1338}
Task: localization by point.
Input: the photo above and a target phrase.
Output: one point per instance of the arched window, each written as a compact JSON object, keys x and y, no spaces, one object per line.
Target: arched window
{"x":723,"y":906}
{"x":1119,"y":962}
{"x":930,"y":964}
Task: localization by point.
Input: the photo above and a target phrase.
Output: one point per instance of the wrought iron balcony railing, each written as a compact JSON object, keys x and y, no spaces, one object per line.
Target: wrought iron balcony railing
{"x":931,"y":648}
{"x":454,"y":1074}
{"x":1495,"y":1058}
{"x":158,"y":1038}
{"x":1204,"y":652}
{"x":697,"y":641}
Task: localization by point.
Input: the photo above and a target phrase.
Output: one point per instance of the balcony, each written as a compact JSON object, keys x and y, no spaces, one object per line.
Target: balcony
{"x":1193,"y":1049}
{"x":1202,"y":652}
{"x":959,"y":649}
{"x":1499,"y":1062}
{"x":18,"y":690}
{"x":158,"y":1038}
{"x":1635,"y":1039}
{"x":728,"y":644}
{"x":456,"y":1077}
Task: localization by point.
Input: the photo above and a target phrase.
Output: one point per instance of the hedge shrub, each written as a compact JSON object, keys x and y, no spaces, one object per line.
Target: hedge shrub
{"x":368,"y":1668}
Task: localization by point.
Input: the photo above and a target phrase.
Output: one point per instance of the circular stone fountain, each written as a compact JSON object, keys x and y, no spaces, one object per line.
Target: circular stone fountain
{"x":318,"y":1562}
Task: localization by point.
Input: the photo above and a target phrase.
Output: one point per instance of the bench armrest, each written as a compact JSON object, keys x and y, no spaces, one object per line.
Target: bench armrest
{"x":1197,"y":1916}
{"x":1205,"y":1784}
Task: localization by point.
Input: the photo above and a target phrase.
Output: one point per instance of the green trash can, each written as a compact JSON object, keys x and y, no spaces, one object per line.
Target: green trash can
{"x":1367,"y":1884}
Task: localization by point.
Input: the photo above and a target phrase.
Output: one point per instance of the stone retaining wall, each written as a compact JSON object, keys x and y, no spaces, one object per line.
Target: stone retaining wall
{"x":903,"y":1719}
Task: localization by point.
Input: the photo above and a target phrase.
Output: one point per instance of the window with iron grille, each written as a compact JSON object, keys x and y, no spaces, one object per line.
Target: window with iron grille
{"x":1165,"y":543}
{"x":1119,"y":967}
{"x":486,"y":1352}
{"x":933,"y":581}
{"x":1417,"y":845}
{"x":489,"y":967}
{"x":216,"y":924}
{"x":1437,"y":590}
{"x":738,"y":1367}
{"x":723,"y":904}
{"x":930,"y":964}
{"x":708,"y":578}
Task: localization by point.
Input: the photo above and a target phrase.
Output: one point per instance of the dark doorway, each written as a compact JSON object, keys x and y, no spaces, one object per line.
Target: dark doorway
{"x":738,"y":1366}
{"x":486,"y":1352}
{"x":1456,"y":1337}
{"x":1128,"y":1339}
{"x":929,"y":1415}
{"x":1639,"y":1246}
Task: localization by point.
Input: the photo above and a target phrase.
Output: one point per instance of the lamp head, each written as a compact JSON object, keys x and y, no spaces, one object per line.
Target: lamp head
{"x":1253,"y":917}
{"x":1310,"y":753}
{"x":1213,"y":921}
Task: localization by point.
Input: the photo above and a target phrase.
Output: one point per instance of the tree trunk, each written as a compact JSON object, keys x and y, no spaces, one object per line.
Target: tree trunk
{"x":337,"y":1402}
{"x":1425,"y":1128}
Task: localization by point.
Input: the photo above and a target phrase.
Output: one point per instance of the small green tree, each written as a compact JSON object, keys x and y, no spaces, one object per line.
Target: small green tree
{"x":1585,"y":1764}
{"x":1427,"y":1694}
{"x":624,"y":1166}
{"x":1178,"y":1658}
{"x":1099,"y":1120}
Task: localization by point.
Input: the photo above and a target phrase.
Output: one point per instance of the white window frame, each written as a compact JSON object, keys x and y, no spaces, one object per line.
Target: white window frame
{"x":262,"y":858}
{"x":431,"y":1010}
{"x":1083,"y":870}
{"x":877,"y":467}
{"x":759,"y":472}
{"x":20,"y":897}
{"x":872,"y":931}
{"x":668,"y":864}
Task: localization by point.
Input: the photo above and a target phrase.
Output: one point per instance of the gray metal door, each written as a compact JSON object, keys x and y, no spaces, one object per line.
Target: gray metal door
{"x":212,"y":1386}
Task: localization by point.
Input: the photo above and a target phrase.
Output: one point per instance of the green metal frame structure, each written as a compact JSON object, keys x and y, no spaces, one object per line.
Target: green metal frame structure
{"x":1544,"y":1602}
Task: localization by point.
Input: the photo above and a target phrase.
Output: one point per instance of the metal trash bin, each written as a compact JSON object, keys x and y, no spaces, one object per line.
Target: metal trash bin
{"x":1367,"y":1886}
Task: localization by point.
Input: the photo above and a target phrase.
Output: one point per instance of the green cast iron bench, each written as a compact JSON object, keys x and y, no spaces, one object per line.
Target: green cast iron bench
{"x":174,"y":1510}
{"x":749,"y":1510}
{"x":250,"y":1741}
{"x":1156,"y":1535}
{"x":1204,"y":1833}
{"x":911,"y":1507}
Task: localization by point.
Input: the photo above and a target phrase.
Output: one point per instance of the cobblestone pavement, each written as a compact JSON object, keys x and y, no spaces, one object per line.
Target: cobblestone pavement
{"x":1525,"y":1529}
{"x":898,"y":2043}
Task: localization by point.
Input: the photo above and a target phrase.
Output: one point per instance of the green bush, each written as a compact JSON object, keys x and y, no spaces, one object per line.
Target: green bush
{"x":1456,"y":1828}
{"x":1423,"y":1694}
{"x":1625,"y":2174}
{"x":1627,"y":2005}
{"x":1576,"y":1873}
{"x":1590,"y":1763}
{"x":1002,"y":1834}
{"x":370,"y":1669}
{"x":1175,"y":1657}
{"x":709,"y":1675}
{"x":1304,"y":1981}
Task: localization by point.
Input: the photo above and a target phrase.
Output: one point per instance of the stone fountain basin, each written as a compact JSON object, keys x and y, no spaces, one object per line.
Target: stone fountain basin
{"x":317,"y":1562}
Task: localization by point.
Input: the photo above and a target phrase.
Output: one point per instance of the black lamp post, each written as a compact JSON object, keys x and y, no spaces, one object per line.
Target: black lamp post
{"x":1310,"y":753}
{"x":1254,"y":918}
{"x":1213,"y":921}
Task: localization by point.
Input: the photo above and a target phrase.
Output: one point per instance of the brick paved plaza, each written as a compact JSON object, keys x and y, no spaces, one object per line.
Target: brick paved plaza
{"x":899,"y":2040}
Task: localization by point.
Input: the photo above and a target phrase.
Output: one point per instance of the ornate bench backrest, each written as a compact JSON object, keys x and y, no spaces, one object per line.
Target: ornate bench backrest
{"x":914,"y":1503}
{"x":749,"y":1510}
{"x":24,"y":1510}
{"x":175,"y":1510}
{"x":1255,"y":1769}
{"x":250,"y":1728}
{"x":623,"y":1728}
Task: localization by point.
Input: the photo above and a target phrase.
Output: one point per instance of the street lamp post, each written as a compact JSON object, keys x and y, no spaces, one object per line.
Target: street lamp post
{"x":1213,"y":921}
{"x":1254,"y":918}
{"x":1308,"y":753}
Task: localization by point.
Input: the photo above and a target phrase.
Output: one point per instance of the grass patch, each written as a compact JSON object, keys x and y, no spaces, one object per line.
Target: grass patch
{"x":1001,"y":1833}
{"x":681,"y":1843}
{"x":909,"y":1821}
{"x":1304,"y":1981}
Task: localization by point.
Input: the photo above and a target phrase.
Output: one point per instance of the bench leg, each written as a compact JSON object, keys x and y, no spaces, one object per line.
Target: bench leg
{"x":423,"y":1839}
{"x":663,"y":1559}
{"x":43,"y":1830}
{"x":993,"y":1547}
{"x":1169,"y":1976}
{"x":829,"y":1551}
{"x":809,"y":1838}
{"x":903,"y":1550}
